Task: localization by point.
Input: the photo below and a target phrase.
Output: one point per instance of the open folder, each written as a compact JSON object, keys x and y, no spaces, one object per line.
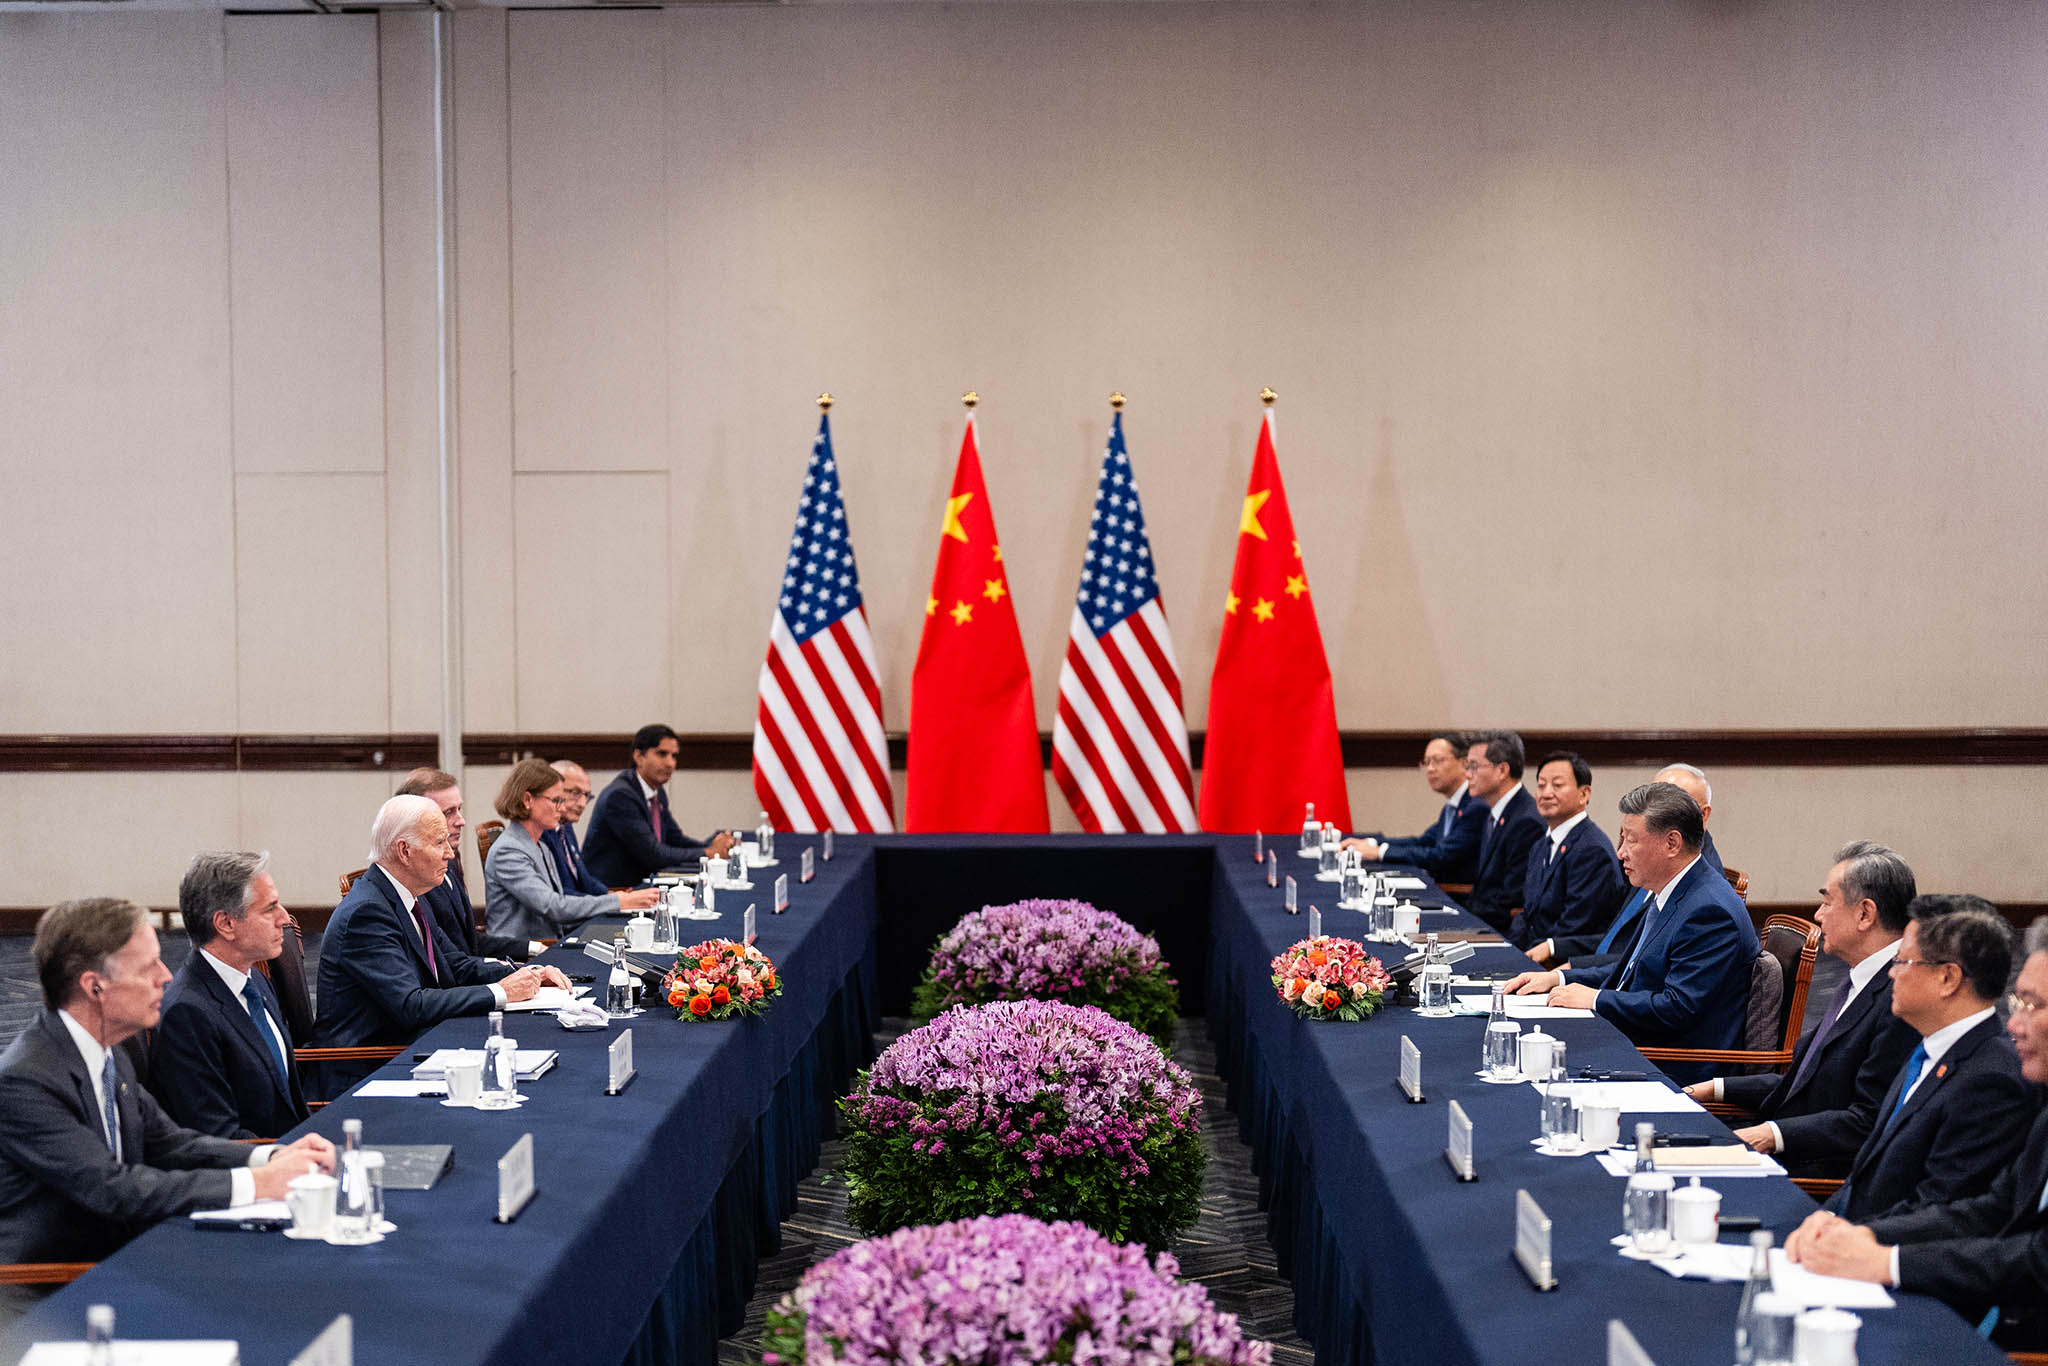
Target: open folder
{"x":530,"y":1064}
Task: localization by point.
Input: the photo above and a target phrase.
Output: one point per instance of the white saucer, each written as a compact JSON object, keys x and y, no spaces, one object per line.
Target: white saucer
{"x":517,"y":1101}
{"x":300,"y":1235}
{"x":764,"y":863}
{"x":305,"y":1235}
{"x":1544,"y":1149}
{"x":1491,"y":1080}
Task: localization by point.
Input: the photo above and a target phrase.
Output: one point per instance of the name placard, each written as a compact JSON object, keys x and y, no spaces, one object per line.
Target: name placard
{"x":1458,"y":1152}
{"x":826,"y":847}
{"x":1411,"y":1070}
{"x":747,"y":925}
{"x":1272,"y":868}
{"x":515,"y":1179}
{"x":602,"y":952}
{"x":1258,"y":846}
{"x":1622,"y":1347}
{"x":335,"y":1346}
{"x":1293,"y":902}
{"x":1315,"y":923}
{"x":781,"y":893}
{"x":622,"y":1070}
{"x":807,"y":866}
{"x":1532,"y":1242}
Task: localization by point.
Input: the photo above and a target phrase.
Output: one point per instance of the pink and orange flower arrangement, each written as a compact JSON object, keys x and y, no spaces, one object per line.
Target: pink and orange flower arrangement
{"x":719,"y":979}
{"x":1330,"y":979}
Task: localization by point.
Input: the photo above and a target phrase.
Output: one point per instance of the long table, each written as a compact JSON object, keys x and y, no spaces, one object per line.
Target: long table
{"x":655,"y":1206}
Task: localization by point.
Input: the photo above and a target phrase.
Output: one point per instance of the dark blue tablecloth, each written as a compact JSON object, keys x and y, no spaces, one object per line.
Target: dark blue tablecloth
{"x":1395,"y":1261}
{"x":665,"y":1195}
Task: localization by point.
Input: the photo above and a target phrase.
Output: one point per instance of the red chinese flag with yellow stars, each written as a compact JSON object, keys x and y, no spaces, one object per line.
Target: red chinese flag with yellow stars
{"x":1272,"y":742}
{"x":974,"y":758}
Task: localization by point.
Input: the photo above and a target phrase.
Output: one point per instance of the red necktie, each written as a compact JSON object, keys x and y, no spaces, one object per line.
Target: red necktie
{"x":428,"y":935}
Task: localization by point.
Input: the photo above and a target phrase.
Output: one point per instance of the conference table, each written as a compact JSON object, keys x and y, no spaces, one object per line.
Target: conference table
{"x":654,"y":1207}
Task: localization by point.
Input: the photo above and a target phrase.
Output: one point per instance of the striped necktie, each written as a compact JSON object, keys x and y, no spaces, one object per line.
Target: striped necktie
{"x":110,"y":1085}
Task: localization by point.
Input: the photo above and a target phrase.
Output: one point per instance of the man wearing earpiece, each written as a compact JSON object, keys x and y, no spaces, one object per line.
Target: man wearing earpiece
{"x":87,"y":1159}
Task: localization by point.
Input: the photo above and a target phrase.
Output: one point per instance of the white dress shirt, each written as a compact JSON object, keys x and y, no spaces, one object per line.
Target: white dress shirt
{"x":241,"y":1183}
{"x":234,"y":979}
{"x":1940,"y":1041}
{"x":1501,"y":803}
{"x":407,"y":899}
{"x":1558,"y":832}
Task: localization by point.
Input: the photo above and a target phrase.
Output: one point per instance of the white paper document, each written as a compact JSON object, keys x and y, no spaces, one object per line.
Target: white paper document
{"x":1637,"y":1097}
{"x":1405,"y":884}
{"x":259,"y":1209}
{"x":548,"y":998}
{"x":1622,"y":1161}
{"x":531,"y":1062}
{"x":1730,"y":1262}
{"x":1520,"y":1008}
{"x":139,"y":1353}
{"x":387,"y":1090}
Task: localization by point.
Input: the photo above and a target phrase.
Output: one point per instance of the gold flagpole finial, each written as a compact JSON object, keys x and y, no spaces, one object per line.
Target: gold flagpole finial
{"x":969,"y":399}
{"x":825,"y":403}
{"x":1266,"y":396}
{"x":1116,"y":400}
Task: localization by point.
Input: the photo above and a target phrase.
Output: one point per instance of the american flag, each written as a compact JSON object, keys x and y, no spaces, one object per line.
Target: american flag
{"x":1119,"y":743}
{"x":821,"y":760}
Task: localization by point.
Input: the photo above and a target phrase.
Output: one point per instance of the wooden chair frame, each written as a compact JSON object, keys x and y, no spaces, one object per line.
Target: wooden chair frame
{"x":1780,"y":1057}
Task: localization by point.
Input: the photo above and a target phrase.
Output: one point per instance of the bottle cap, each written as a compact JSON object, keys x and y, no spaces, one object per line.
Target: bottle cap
{"x":100,"y":1316}
{"x":1760,"y":1239}
{"x":352,"y":1126}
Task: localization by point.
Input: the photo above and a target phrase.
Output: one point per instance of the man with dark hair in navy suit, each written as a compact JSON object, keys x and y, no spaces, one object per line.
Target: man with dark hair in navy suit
{"x":1449,"y":849}
{"x":1984,"y":1253}
{"x":1509,"y":829}
{"x":1572,"y":883}
{"x":560,"y":842}
{"x":387,"y":970}
{"x":632,"y":835}
{"x":1960,"y":1109}
{"x":1818,"y":1112}
{"x":221,"y":1059}
{"x":1686,"y":982}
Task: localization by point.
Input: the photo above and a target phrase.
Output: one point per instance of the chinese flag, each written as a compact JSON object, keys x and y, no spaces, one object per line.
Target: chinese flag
{"x":1272,"y":742}
{"x":974,"y":759}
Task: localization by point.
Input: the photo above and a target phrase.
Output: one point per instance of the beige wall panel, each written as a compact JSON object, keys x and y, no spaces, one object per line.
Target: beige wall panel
{"x":53,"y":858}
{"x":593,"y":640}
{"x":588,"y":241}
{"x":315,"y":825}
{"x":1542,"y":292}
{"x":311,"y":593}
{"x":483,"y":300}
{"x":114,"y":376}
{"x":411,"y":367}
{"x":303,"y":212}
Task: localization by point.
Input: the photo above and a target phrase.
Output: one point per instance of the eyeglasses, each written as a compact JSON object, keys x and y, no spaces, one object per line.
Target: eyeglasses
{"x":1922,"y":962}
{"x":575,"y":794}
{"x":2017,"y":1005}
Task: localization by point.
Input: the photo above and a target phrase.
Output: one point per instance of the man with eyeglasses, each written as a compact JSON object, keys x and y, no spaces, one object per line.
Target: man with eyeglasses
{"x":1986,"y":1255}
{"x":1959,"y":1109}
{"x":1449,"y":849}
{"x":560,"y":842}
{"x":1510,"y":829}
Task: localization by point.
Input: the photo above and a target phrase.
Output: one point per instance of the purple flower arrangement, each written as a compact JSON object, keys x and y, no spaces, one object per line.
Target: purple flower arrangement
{"x":1036,"y":1107}
{"x":1001,"y":1291}
{"x":1052,"y":951}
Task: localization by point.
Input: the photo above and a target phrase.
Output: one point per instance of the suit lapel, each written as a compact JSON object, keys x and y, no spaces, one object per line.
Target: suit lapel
{"x":408,"y":928}
{"x":244,"y":1025}
{"x":1932,"y":1077}
{"x":1860,"y":1005}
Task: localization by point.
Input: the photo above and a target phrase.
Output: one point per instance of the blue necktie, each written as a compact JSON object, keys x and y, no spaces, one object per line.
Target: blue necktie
{"x":1450,"y":818}
{"x":260,"y":1017}
{"x":1914,"y":1064}
{"x":110,"y":1084}
{"x":1622,"y":921}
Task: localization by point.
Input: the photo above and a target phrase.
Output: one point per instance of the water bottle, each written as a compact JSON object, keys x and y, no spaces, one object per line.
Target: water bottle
{"x":1435,"y":990}
{"x":99,"y":1335}
{"x":352,"y":1202}
{"x":1502,"y":1037}
{"x":501,"y":1068}
{"x":1646,"y":1205}
{"x":1560,"y":1116}
{"x":1326,"y":861}
{"x":665,"y":922}
{"x":1353,"y":890}
{"x":1311,"y":832}
{"x":618,"y":991}
{"x":764,"y":837}
{"x":1759,"y":1283}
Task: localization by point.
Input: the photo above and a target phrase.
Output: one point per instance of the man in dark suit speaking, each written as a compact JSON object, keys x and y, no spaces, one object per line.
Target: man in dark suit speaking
{"x":388,"y":972}
{"x":1816,"y":1113}
{"x":1686,"y":983}
{"x":87,"y":1158}
{"x":1986,"y":1255}
{"x":221,"y":1061}
{"x":632,"y":835}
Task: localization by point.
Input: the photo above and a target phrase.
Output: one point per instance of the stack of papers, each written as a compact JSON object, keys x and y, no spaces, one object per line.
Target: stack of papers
{"x":1636,"y":1098}
{"x":532,"y":1062}
{"x":1701,"y":1162}
{"x":1730,"y":1262}
{"x":548,"y":998}
{"x":196,"y":1352}
{"x":1519,"y":1008}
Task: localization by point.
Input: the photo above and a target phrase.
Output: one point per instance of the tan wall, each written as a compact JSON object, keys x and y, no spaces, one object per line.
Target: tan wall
{"x":1639,"y":368}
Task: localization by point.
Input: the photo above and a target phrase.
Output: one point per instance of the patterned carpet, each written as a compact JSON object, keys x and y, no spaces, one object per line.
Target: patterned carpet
{"x":1226,"y":1250}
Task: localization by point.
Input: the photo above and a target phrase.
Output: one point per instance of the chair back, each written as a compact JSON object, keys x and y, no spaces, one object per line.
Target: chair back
{"x":1739,"y":880}
{"x":348,"y":880}
{"x":487,"y":835}
{"x":287,"y":974}
{"x":1794,"y":942}
{"x":1761,"y":1028}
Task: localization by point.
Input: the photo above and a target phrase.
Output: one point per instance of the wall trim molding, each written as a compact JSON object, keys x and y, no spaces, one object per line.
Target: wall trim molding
{"x":732,"y":751}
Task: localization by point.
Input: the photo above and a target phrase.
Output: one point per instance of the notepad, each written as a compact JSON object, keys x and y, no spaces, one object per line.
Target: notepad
{"x":531,"y":1063}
